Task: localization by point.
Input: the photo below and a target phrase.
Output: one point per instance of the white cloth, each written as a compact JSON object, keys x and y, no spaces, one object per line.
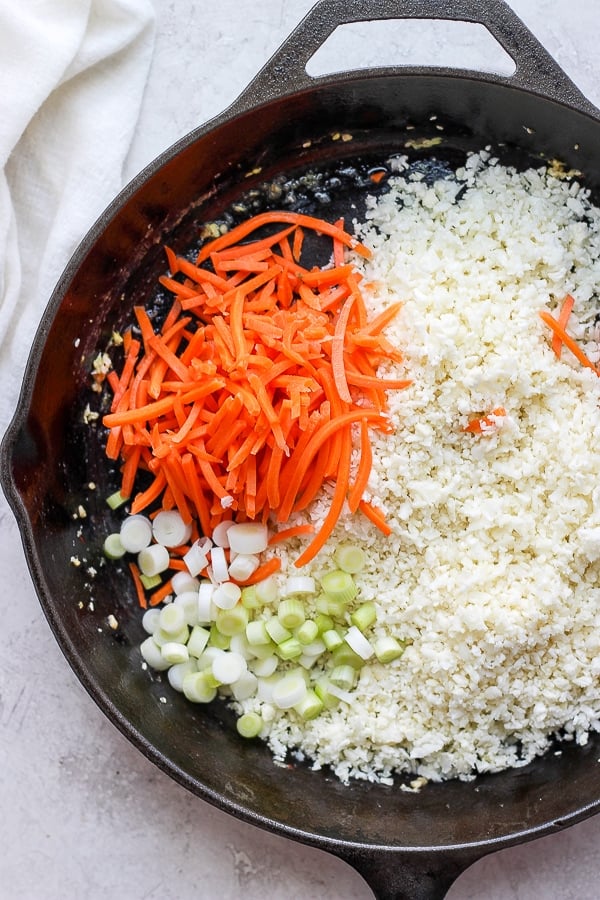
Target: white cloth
{"x":72,"y":76}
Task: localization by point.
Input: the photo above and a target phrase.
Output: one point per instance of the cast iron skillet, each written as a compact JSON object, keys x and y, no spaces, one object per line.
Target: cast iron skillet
{"x":284,"y":125}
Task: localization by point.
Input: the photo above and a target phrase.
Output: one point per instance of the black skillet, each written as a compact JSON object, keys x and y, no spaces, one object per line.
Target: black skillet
{"x":285,"y":141}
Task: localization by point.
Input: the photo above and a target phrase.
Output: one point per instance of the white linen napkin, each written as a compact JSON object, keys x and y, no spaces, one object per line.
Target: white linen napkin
{"x":72,"y":76}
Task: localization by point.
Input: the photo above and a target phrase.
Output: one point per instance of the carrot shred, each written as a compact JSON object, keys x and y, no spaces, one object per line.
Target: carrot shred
{"x":263,"y":571}
{"x":567,"y":340}
{"x":161,"y":593}
{"x":139,"y":587}
{"x":376,"y":516}
{"x":293,"y":531}
{"x":248,"y":397}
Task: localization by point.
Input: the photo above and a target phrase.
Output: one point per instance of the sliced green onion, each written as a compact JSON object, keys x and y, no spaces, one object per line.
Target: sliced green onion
{"x":205,"y":603}
{"x":226,"y":595}
{"x":289,"y":690}
{"x":232,"y":621}
{"x":218,"y":640}
{"x":112,"y":547}
{"x":136,"y":533}
{"x":324,"y":622}
{"x":239,"y":644}
{"x":339,"y":585}
{"x":248,"y":537}
{"x":359,"y":643}
{"x":182,"y":582}
{"x":174,"y":653}
{"x":197,"y":688}
{"x":177,"y":673}
{"x":322,"y":689}
{"x":243,"y":566}
{"x":289,"y":649}
{"x":345,"y":655}
{"x":307,"y":632}
{"x":256,"y":633}
{"x":116,"y":500}
{"x":161,"y":637}
{"x":333,"y":609}
{"x":153,"y":560}
{"x":350,"y":558}
{"x":299,"y":585}
{"x":245,"y":687}
{"x":290,"y":613}
{"x":264,"y":667}
{"x":276,"y":631}
{"x":314,"y":648}
{"x":172,"y":619}
{"x":150,"y":581}
{"x":387,"y":649}
{"x":150,"y":620}
{"x":310,"y":706}
{"x":249,"y":725}
{"x":198,"y":641}
{"x":332,"y":639}
{"x":169,"y":529}
{"x":250,"y":597}
{"x":266,"y":590}
{"x":228,"y":667}
{"x":343,"y":676}
{"x":364,"y":616}
{"x":188,"y":602}
{"x":152,"y":656}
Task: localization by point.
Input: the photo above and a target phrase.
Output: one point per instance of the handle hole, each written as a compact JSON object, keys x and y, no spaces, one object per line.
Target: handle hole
{"x":410,"y":42}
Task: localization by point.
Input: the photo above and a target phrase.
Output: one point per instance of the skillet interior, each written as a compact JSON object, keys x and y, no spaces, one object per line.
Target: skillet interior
{"x":49,"y":457}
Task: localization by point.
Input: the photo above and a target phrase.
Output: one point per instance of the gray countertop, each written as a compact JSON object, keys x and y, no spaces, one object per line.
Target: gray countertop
{"x":84,"y":814}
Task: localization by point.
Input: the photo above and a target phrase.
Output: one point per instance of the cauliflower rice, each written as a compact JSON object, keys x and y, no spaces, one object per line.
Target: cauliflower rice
{"x":491,"y":572}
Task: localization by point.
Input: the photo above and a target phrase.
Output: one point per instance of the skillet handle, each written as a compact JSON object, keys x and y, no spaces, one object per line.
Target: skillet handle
{"x":536,"y":71}
{"x":394,"y":876}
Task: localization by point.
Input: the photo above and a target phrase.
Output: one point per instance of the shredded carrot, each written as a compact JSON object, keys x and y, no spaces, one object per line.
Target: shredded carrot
{"x":161,"y":593}
{"x":294,"y":531}
{"x":485,"y":424}
{"x":139,"y":587}
{"x":245,"y":402}
{"x":376,"y":516}
{"x":563,"y":320}
{"x":568,"y":341}
{"x":263,"y":571}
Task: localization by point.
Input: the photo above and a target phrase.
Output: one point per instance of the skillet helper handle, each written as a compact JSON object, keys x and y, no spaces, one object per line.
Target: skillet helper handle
{"x":426,"y":876}
{"x":536,"y":70}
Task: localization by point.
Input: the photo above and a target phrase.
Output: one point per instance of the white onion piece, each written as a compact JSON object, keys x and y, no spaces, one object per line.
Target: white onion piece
{"x":220,"y":533}
{"x":135,"y":533}
{"x":171,"y":619}
{"x":195,"y":559}
{"x":245,"y":686}
{"x":299,"y":585}
{"x":248,"y":537}
{"x":152,"y":655}
{"x":205,"y":602}
{"x":182,"y":582}
{"x":169,"y":529}
{"x":226,"y":595}
{"x":262,"y":668}
{"x":243,"y":566}
{"x":218,"y":564}
{"x":229,"y":667}
{"x":188,"y":601}
{"x":358,"y":642}
{"x":289,"y":690}
{"x":150,"y":620}
{"x":177,"y":673}
{"x":153,"y":560}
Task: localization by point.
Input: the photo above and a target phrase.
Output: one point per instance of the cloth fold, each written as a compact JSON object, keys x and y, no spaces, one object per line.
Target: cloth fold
{"x":72,"y":77}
